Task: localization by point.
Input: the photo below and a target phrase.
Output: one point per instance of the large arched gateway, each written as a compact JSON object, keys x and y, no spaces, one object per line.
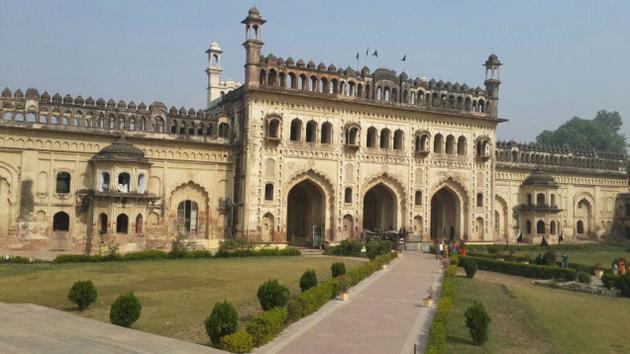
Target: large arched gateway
{"x":306,"y":211}
{"x":379,"y":209}
{"x":445,"y":215}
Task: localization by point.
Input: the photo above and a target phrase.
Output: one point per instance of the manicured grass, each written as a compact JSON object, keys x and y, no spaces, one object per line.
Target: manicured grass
{"x":531,"y":319}
{"x":176,"y":295}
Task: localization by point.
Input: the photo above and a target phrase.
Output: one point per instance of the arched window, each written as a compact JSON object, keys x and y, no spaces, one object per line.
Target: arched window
{"x":347,"y":195}
{"x":63,"y":183}
{"x":311,"y":132}
{"x":450,"y":144}
{"x":352,"y":134}
{"x":139,"y":224}
{"x":540,"y":199}
{"x":326,"y":137}
{"x":102,"y":223}
{"x":61,"y":221}
{"x":418,"y":198}
{"x":461,"y":146}
{"x":224,"y":130}
{"x":371,"y":137}
{"x":124,"y":179}
{"x":296,"y":130}
{"x":540,"y":227}
{"x":580,"y":227}
{"x":273,"y":129}
{"x":187,"y":217}
{"x":479,"y":200}
{"x":385,"y":135}
{"x":158,"y":125}
{"x":269,"y":191}
{"x":552,"y":227}
{"x":437,"y":144}
{"x":103,"y":185}
{"x":141,"y":183}
{"x":122,"y":224}
{"x":553,"y":200}
{"x":398,"y":139}
{"x":528,"y":227}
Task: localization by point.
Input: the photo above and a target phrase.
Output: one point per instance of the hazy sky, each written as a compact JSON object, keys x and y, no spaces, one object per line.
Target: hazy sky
{"x":561,"y":58}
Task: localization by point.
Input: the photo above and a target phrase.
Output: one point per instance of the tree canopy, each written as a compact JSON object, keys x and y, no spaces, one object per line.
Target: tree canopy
{"x":600,"y":133}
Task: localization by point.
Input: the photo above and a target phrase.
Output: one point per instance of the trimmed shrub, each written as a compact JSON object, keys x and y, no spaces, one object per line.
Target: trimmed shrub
{"x":308,"y":280}
{"x":266,"y":325}
{"x":436,"y":343}
{"x":492,"y":249}
{"x":18,"y":260}
{"x":83,"y":293}
{"x":223,"y":321}
{"x":385,"y":247}
{"x":198,"y":254}
{"x":272,"y":294}
{"x":372,"y":249}
{"x":470,"y":266}
{"x":125,"y":310}
{"x":550,"y":258}
{"x":610,"y":280}
{"x":337,"y":269}
{"x":584,"y":278}
{"x":71,"y":258}
{"x":345,"y":248}
{"x":477,"y":321}
{"x":525,"y":270}
{"x":142,"y":255}
{"x":316,"y":297}
{"x":295,"y":309}
{"x":239,"y":342}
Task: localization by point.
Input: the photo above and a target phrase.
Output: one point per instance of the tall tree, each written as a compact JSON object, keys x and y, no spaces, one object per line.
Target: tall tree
{"x":600,"y":133}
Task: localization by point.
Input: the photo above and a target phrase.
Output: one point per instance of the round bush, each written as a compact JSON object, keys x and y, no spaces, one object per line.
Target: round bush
{"x":550,"y":258}
{"x":477,"y":321}
{"x":470,"y":266}
{"x":337,"y":269}
{"x":239,"y":342}
{"x":295,"y":309}
{"x":272,"y":294}
{"x":584,"y":277}
{"x":83,"y":293}
{"x":125,"y":310}
{"x":308,"y":280}
{"x":222,"y":321}
{"x":372,"y":249}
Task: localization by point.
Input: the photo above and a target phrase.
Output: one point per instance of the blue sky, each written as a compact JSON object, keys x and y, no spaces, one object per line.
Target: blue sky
{"x":561,"y":58}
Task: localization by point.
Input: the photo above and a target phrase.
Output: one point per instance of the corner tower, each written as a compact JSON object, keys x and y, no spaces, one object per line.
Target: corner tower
{"x":214,"y":71}
{"x":253,"y":45}
{"x":492,"y":83}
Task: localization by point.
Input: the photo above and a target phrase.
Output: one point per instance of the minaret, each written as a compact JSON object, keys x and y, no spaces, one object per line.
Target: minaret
{"x":253,"y":45}
{"x":492,"y":83}
{"x":214,"y":71}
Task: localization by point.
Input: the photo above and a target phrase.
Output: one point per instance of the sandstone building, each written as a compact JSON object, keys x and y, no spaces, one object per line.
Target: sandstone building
{"x":297,"y":154}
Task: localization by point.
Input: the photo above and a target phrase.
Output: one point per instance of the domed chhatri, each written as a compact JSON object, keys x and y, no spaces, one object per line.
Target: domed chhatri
{"x":540,"y":178}
{"x":121,"y":151}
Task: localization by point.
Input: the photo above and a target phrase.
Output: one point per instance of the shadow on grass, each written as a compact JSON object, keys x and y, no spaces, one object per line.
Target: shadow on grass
{"x":458,"y":340}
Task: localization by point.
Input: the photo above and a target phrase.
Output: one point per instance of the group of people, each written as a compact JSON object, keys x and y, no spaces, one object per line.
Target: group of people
{"x":620,"y":267}
{"x":443,"y":249}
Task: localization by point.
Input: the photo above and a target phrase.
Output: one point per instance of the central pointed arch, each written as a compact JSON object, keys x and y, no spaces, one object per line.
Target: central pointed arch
{"x":448,"y":211}
{"x":384,"y":201}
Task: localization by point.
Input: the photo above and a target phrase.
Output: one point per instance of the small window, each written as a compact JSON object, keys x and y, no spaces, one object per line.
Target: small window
{"x":104,"y":182}
{"x":61,"y":221}
{"x":102,"y":223}
{"x":540,"y":227}
{"x":141,"y":183}
{"x":540,"y":199}
{"x":418,"y":198}
{"x":63,"y":182}
{"x":124,"y":180}
{"x":269,"y":191}
{"x":347,"y":197}
{"x":187,"y":216}
{"x":122,"y":224}
{"x":580,"y":227}
{"x":528,"y":227}
{"x":479,"y":200}
{"x":529,"y":199}
{"x":139,"y":224}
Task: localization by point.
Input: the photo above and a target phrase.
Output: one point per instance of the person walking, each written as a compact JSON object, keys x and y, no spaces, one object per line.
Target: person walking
{"x":441,"y":249}
{"x":565,"y":260}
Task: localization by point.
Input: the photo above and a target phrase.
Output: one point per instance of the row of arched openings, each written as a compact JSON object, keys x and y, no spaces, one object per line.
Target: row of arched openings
{"x":541,"y":227}
{"x":122,"y":224}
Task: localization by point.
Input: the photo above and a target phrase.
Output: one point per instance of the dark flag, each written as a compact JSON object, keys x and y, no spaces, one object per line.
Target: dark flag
{"x":357,"y":57}
{"x":561,"y":238}
{"x":375,"y":53}
{"x":367,"y":51}
{"x":519,"y":239}
{"x":404,"y":58}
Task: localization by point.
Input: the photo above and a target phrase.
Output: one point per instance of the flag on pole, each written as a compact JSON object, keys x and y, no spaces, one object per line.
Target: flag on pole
{"x":375,"y":53}
{"x":561,"y":238}
{"x":367,"y":51}
{"x":404,"y":58}
{"x":519,"y":238}
{"x":357,"y":57}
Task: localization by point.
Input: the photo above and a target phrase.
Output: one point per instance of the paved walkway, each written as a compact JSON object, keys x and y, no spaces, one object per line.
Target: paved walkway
{"x":384,"y":314}
{"x":28,"y":328}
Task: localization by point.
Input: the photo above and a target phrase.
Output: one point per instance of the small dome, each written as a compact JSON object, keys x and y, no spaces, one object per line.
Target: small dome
{"x":457,"y":87}
{"x":289,"y":62}
{"x":131,"y":105}
{"x":56,"y":98}
{"x":200,"y":113}
{"x":417,"y":81}
{"x":68,"y":99}
{"x":32,"y":94}
{"x":18,"y":94}
{"x":111,"y":104}
{"x":89,"y":101}
{"x":191,"y":112}
{"x":332,"y":68}
{"x":182,"y":111}
{"x":45,"y":97}
{"x":121,"y":104}
{"x":493,"y":57}
{"x":79,"y":100}
{"x":142,"y":106}
{"x":280,"y":61}
{"x":465,"y":87}
{"x":365,"y":71}
{"x":254,"y":12}
{"x":310,"y":65}
{"x":6,"y":92}
{"x":540,"y":178}
{"x":172,"y":110}
{"x":321,"y":67}
{"x":300,"y":63}
{"x":214,"y":46}
{"x":349,"y":72}
{"x":100,"y":102}
{"x":270,"y":57}
{"x":403,"y":76}
{"x":121,"y":150}
{"x":432,"y":83}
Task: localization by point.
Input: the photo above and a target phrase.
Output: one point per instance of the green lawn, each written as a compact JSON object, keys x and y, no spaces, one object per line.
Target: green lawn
{"x":531,"y":319}
{"x":176,"y":295}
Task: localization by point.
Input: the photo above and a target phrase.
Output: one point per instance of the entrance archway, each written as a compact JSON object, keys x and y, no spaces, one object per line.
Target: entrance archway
{"x":305,"y":214}
{"x":445,"y":215}
{"x":379,"y":209}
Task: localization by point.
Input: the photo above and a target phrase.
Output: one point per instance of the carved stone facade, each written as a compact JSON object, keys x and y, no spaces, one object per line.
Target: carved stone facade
{"x":297,"y":154}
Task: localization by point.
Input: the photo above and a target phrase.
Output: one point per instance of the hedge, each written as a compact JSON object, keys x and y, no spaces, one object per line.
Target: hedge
{"x":238,"y":342}
{"x":266,"y":325}
{"x":345,"y":248}
{"x":521,"y":269}
{"x":538,"y":248}
{"x":436,"y":342}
